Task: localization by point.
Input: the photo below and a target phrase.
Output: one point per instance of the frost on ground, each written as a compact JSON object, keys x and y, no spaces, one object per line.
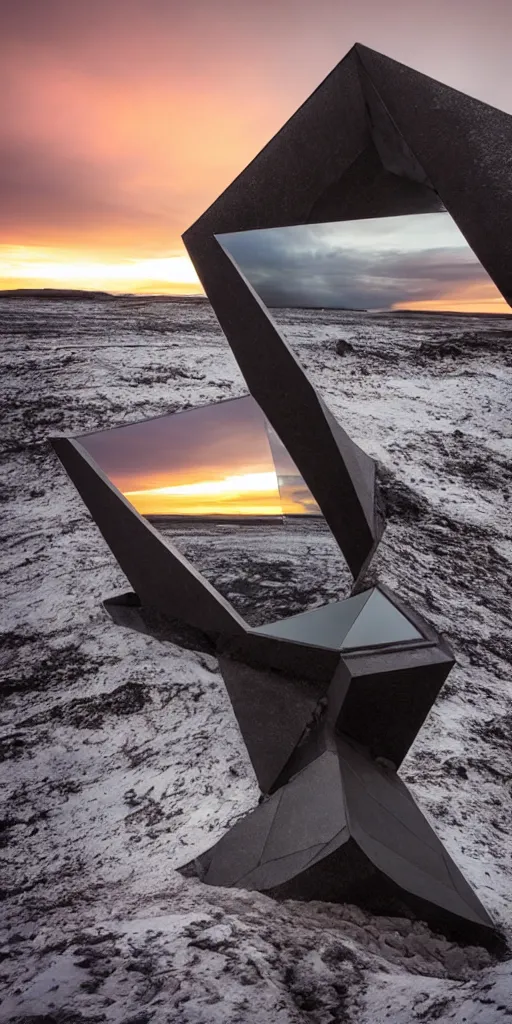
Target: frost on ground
{"x":121,"y":757}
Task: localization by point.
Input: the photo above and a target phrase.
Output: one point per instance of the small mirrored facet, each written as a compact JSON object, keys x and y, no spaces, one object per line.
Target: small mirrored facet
{"x":296,"y":498}
{"x":365,"y":620}
{"x":322,"y":627}
{"x":379,"y":622}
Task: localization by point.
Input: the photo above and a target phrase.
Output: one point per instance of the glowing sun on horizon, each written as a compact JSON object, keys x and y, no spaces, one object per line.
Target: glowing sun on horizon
{"x":247,"y":494}
{"x":32,"y":267}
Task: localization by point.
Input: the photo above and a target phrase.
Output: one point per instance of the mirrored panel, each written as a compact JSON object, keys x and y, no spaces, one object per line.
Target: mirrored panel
{"x":321,"y":627}
{"x":221,"y":461}
{"x":216,"y":481}
{"x":296,"y":498}
{"x":418,"y":262}
{"x":379,"y":622}
{"x":369,"y":619}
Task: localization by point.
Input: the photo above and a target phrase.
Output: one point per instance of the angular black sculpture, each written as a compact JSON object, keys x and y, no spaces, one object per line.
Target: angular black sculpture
{"x":342,"y":156}
{"x":345,"y":828}
{"x":329,"y":701}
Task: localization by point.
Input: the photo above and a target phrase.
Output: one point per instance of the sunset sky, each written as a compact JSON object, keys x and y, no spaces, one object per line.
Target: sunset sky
{"x":215,"y":459}
{"x":121,"y":120}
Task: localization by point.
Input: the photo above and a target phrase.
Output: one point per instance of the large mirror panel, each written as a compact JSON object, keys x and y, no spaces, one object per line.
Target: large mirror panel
{"x":217,"y":481}
{"x":418,"y":262}
{"x":214,"y":461}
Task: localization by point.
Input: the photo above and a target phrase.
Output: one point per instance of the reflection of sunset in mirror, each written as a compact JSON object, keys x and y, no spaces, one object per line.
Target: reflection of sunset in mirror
{"x":216,"y":460}
{"x":477,"y":297}
{"x":253,"y":494}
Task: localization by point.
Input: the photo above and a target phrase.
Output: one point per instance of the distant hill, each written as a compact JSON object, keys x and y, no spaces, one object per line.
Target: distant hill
{"x":81,"y":294}
{"x":53,"y":293}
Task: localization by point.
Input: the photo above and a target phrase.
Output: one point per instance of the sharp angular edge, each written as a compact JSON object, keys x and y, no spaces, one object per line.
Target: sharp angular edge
{"x":413,"y":122}
{"x":421,"y":624}
{"x":387,"y":696}
{"x":339,"y":475}
{"x":316,"y":664}
{"x":282,"y":831}
{"x":305,"y":157}
{"x":380,"y":623}
{"x":272,"y":711}
{"x":280,"y":187}
{"x":281,"y":869}
{"x":393,"y":833}
{"x":379,"y":699}
{"x":394,"y":153}
{"x":317,"y":790}
{"x":464,"y":147}
{"x":240,"y":850}
{"x":344,"y":829}
{"x":326,"y":626}
{"x":366,"y":189}
{"x":158,"y":573}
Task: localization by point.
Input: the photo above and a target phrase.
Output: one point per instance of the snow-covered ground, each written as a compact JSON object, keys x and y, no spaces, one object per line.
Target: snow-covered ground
{"x":122,"y":759}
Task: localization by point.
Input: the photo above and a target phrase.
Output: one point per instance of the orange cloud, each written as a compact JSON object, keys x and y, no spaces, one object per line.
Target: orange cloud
{"x":105,"y":169}
{"x":473,"y":297}
{"x":121,"y":122}
{"x":99,"y":161}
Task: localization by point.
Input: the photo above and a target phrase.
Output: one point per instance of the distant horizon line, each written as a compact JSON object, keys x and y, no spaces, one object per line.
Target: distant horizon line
{"x":227,"y":518}
{"x":89,"y":294}
{"x":86,"y":292}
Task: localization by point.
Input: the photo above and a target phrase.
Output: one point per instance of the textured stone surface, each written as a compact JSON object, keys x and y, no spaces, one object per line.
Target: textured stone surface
{"x":123,"y":798}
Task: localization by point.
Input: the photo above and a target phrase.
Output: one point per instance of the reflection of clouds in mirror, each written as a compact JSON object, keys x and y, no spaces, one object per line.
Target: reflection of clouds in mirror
{"x":480,"y":296}
{"x":296,"y":498}
{"x":213,"y":460}
{"x":420,"y":262}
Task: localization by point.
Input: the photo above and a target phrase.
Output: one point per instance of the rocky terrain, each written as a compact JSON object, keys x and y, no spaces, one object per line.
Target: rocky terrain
{"x":121,"y":757}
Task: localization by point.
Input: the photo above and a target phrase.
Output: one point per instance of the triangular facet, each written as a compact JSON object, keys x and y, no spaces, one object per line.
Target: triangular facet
{"x":321,"y":627}
{"x":379,"y":622}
